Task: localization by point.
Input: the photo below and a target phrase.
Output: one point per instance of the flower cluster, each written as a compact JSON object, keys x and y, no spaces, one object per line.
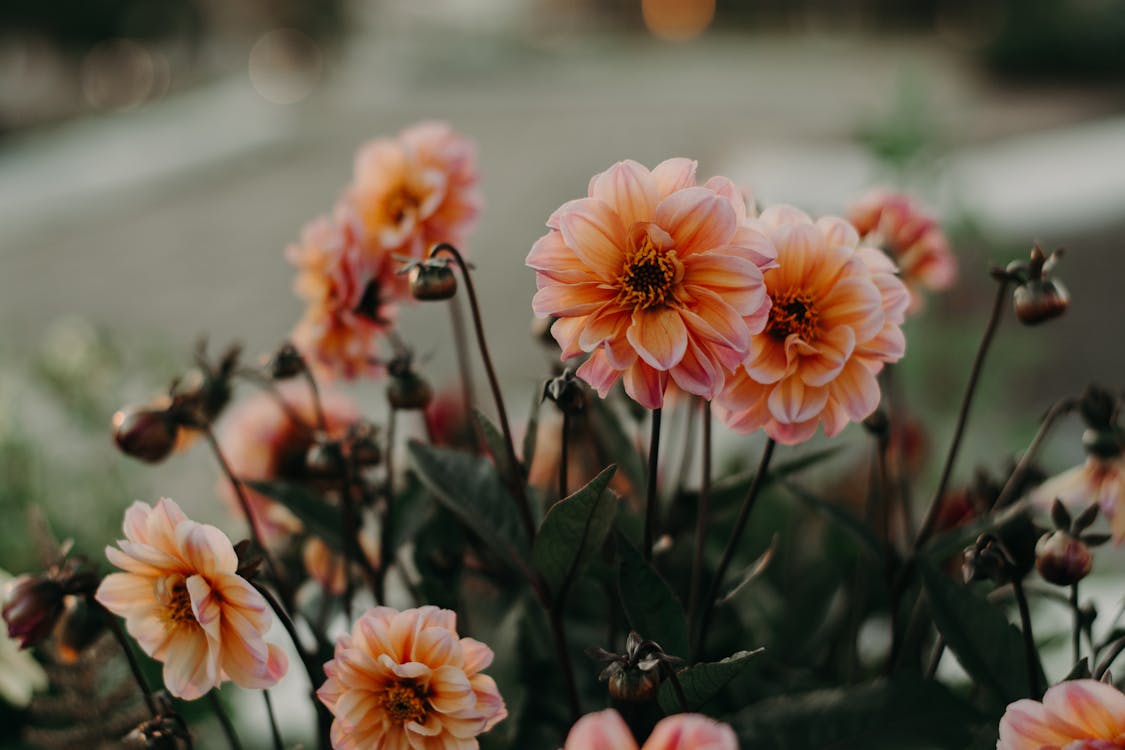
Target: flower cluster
{"x":407,"y":193}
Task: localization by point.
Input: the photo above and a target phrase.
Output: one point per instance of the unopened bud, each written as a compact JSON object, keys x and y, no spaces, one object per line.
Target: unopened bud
{"x":632,"y":685}
{"x":32,"y":606}
{"x":567,"y":392}
{"x":286,"y":363}
{"x":145,"y":433}
{"x":988,"y":559}
{"x":408,"y":390}
{"x":324,"y":459}
{"x":1102,"y":443}
{"x":1062,"y":559}
{"x":1098,"y":408}
{"x":432,"y":281}
{"x":1039,"y":301}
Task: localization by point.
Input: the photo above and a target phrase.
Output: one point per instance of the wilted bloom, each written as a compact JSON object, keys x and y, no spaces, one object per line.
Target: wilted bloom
{"x":407,"y":680}
{"x":913,"y":238}
{"x":20,"y":674}
{"x":32,"y":607}
{"x":262,"y":443}
{"x":416,"y":190}
{"x":1074,"y":715}
{"x":1099,"y":480}
{"x":606,"y":730}
{"x":349,"y":295}
{"x":655,"y":277}
{"x":835,"y":321}
{"x":186,"y":606}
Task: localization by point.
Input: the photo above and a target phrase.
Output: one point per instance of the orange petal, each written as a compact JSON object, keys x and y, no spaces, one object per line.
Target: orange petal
{"x":629,"y":189}
{"x":674,"y":174}
{"x":832,"y":351}
{"x":646,"y":385}
{"x":792,"y":401}
{"x":697,"y":219}
{"x":551,"y":257}
{"x":605,"y":730}
{"x":659,"y":336}
{"x":569,"y":300}
{"x":595,"y":233}
{"x":205,"y":549}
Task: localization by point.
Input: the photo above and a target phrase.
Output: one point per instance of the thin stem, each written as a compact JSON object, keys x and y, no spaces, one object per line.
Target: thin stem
{"x":468,"y":388}
{"x":1030,"y":653}
{"x":1058,"y":409}
{"x":650,"y":494}
{"x":962,"y":417}
{"x":564,"y":458}
{"x":348,"y":530}
{"x":385,"y":530}
{"x":1114,"y":651}
{"x":224,"y":720}
{"x":687,"y":457}
{"x":1077,"y":640}
{"x":516,"y":479}
{"x":270,"y":387}
{"x":732,"y":543}
{"x":318,"y":405}
{"x":703,"y":511}
{"x":134,"y":665}
{"x":558,"y":630}
{"x":935,"y":657}
{"x":275,"y":732}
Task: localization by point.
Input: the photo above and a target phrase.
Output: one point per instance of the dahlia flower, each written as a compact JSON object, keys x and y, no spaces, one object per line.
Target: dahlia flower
{"x":606,"y":730}
{"x":655,"y":277}
{"x":406,"y":680}
{"x":1098,"y":480}
{"x":349,"y":295}
{"x":912,"y":237}
{"x":416,"y":190}
{"x":1074,"y":715}
{"x":261,"y":443}
{"x":185,"y":604}
{"x":835,"y":321}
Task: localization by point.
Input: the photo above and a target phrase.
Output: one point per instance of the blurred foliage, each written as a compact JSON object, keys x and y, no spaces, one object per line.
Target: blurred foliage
{"x":1060,"y":39}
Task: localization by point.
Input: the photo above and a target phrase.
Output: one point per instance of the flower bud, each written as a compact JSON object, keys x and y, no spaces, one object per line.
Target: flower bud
{"x":324,"y":459}
{"x":32,"y":606}
{"x":408,"y":390}
{"x":1102,"y":443}
{"x":987,"y":559}
{"x":1062,"y":559}
{"x":1041,"y":300}
{"x":633,"y":685}
{"x":145,"y":433}
{"x":567,"y":392}
{"x":432,"y":281}
{"x":286,"y":362}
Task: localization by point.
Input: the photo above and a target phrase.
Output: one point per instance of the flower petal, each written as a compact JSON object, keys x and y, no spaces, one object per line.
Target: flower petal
{"x":596,"y":234}
{"x":659,"y":336}
{"x":697,"y":219}
{"x":629,"y":189}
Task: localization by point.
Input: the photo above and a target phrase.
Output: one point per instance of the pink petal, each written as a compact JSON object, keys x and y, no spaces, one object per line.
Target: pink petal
{"x":697,"y":219}
{"x":595,"y":233}
{"x":566,"y":332}
{"x":206,"y":607}
{"x":696,"y":373}
{"x":646,"y":385}
{"x":605,"y":730}
{"x":792,"y":401}
{"x":838,"y":231}
{"x":1096,"y":709}
{"x":674,"y":174}
{"x":659,"y":336}
{"x":551,"y":257}
{"x":190,"y":665}
{"x":598,"y":372}
{"x":206,"y":549}
{"x":691,"y":732}
{"x":569,"y":300}
{"x":121,"y":592}
{"x":856,"y":390}
{"x":629,"y":189}
{"x":737,"y":279}
{"x":770,"y":363}
{"x":832,"y":351}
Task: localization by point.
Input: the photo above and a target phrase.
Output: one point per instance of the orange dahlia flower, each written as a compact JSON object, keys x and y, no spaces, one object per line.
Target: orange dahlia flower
{"x":406,"y":680}
{"x":261,"y":443}
{"x":416,"y":190}
{"x":186,"y":606}
{"x":655,"y":277}
{"x":606,"y":730}
{"x":1074,"y":715}
{"x":912,"y":237}
{"x":1098,"y":480}
{"x":349,"y":295}
{"x":836,"y":317}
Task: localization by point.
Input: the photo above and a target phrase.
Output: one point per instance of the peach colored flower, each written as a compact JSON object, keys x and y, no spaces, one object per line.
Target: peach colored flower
{"x":1098,"y":480}
{"x":606,"y":730}
{"x":836,"y":317}
{"x":326,"y":567}
{"x":262,"y":443}
{"x":655,"y":277}
{"x":912,"y":237}
{"x":416,"y":190}
{"x":349,"y":295}
{"x":1074,"y":715}
{"x":186,"y":606}
{"x":406,"y":680}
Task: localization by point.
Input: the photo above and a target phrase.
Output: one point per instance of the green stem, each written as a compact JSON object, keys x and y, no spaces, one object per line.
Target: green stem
{"x":650,"y":494}
{"x":224,"y":720}
{"x":702,"y":517}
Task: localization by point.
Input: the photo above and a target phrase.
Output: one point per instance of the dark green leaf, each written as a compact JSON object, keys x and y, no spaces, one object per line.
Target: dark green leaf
{"x":411,"y":509}
{"x":702,"y":682}
{"x":494,"y":439}
{"x":616,"y":442}
{"x":1080,"y":671}
{"x":471,"y":489}
{"x":574,"y":529}
{"x":531,"y":435}
{"x":988,"y":646}
{"x":319,"y":517}
{"x":729,"y":491}
{"x":753,"y":570}
{"x":650,"y":606}
{"x":838,"y":515}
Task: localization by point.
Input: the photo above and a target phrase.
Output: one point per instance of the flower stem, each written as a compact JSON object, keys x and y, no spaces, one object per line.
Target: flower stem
{"x":650,"y":493}
{"x":564,"y":458}
{"x":1115,"y":650}
{"x":267,"y":384}
{"x":465,"y":367}
{"x":275,"y":732}
{"x":1058,"y":409}
{"x":1077,"y":640}
{"x":558,"y":630}
{"x":318,"y":405}
{"x":732,"y":544}
{"x":1030,"y":653}
{"x":385,"y":530}
{"x":703,"y":511}
{"x":224,"y":720}
{"x":516,"y":479}
{"x":134,"y":665}
{"x":930,"y":519}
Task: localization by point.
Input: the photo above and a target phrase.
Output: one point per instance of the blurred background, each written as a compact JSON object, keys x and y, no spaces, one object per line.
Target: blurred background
{"x":156,"y":157}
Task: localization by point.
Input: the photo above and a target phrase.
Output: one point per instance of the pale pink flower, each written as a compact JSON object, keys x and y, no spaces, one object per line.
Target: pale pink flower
{"x":655,"y":277}
{"x":416,"y":190}
{"x":406,"y":680}
{"x":1074,"y":715}
{"x":913,"y":238}
{"x":186,"y":605}
{"x":1098,"y":480}
{"x":835,"y":321}
{"x":349,"y":295}
{"x":261,"y":443}
{"x":606,"y":730}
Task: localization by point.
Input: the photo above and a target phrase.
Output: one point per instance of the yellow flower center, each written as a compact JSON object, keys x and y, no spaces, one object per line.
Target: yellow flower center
{"x":402,"y":203}
{"x":793,"y":312}
{"x":405,"y":702}
{"x":648,"y":277}
{"x":171,"y":591}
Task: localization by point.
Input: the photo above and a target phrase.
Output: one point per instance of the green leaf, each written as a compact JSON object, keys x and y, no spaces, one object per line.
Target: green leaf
{"x":617,"y":443}
{"x":988,"y":646}
{"x":650,"y":606}
{"x":411,"y":510}
{"x":837,"y":515}
{"x":574,"y":529}
{"x":320,"y":518}
{"x":494,"y":439}
{"x":702,"y":682}
{"x":729,"y":491}
{"x":905,"y":713}
{"x":471,"y":489}
{"x":753,"y":570}
{"x":952,"y":542}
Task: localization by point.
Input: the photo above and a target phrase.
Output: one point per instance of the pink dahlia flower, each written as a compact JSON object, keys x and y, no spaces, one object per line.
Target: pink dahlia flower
{"x":912,"y":237}
{"x":835,"y":321}
{"x":416,"y":190}
{"x":185,"y":604}
{"x":655,"y":277}
{"x":1098,"y":480}
{"x":1074,"y":715}
{"x":606,"y":730}
{"x":406,"y":680}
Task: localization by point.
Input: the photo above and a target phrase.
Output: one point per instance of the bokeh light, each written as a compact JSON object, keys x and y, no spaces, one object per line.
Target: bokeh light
{"x":678,"y":19}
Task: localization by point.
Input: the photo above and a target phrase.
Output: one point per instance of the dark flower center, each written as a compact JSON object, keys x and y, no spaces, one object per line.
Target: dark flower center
{"x":405,"y":702}
{"x":793,"y":312}
{"x":648,"y":277}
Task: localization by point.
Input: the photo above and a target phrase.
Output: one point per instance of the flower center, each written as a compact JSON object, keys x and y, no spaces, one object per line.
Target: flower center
{"x":404,"y":702}
{"x":171,"y":591}
{"x":648,"y":277}
{"x":793,"y":312}
{"x":402,"y":203}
